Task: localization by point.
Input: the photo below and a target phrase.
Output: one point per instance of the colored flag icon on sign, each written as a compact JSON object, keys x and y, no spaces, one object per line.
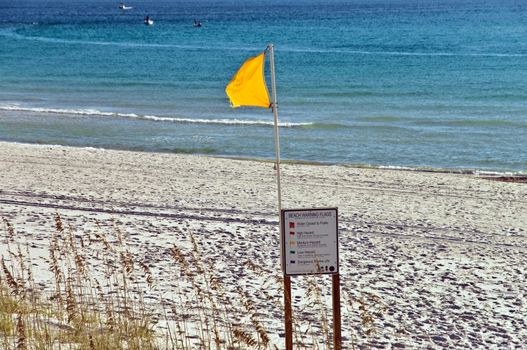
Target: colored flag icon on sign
{"x":291,"y":225}
{"x":292,"y":233}
{"x":293,"y":262}
{"x":292,"y":252}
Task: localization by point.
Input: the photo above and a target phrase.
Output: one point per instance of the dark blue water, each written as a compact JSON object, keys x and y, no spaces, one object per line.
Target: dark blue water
{"x":439,"y":84}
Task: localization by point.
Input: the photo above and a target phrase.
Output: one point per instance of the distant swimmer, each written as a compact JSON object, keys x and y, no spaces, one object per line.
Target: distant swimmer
{"x":148,"y":21}
{"x":123,"y":7}
{"x":197,"y":23}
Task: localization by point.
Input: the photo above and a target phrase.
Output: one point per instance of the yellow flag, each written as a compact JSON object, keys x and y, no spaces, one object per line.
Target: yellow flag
{"x":247,"y":87}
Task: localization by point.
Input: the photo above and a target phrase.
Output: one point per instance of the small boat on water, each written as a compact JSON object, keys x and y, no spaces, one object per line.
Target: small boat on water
{"x":148,"y":21}
{"x":123,"y":7}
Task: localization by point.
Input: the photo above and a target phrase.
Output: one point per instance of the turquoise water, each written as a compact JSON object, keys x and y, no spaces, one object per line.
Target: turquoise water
{"x":440,"y":84}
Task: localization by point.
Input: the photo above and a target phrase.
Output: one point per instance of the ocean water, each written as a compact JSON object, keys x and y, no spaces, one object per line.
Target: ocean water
{"x":402,"y":83}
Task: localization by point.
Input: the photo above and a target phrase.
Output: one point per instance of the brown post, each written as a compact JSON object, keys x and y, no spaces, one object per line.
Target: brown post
{"x":288,"y":314}
{"x":337,"y":337}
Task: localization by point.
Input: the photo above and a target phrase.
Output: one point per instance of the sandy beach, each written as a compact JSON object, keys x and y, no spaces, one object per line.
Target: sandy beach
{"x":440,"y":256}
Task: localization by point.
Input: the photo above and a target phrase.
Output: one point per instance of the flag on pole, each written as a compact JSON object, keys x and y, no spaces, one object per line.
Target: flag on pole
{"x":247,"y":87}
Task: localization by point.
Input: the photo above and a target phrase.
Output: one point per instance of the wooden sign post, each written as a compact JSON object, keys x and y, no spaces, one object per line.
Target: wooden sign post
{"x":310,"y":247}
{"x":337,"y":334}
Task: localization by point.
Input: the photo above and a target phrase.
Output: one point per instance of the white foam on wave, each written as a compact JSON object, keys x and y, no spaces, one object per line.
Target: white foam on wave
{"x":403,"y":53}
{"x":94,"y":112}
{"x":284,"y":49}
{"x":15,"y":35}
{"x":87,"y":111}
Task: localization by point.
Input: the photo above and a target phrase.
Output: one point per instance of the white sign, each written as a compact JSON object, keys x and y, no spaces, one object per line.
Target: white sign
{"x":310,"y":241}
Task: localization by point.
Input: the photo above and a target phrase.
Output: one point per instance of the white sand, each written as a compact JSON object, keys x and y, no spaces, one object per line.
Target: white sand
{"x":445,"y":253}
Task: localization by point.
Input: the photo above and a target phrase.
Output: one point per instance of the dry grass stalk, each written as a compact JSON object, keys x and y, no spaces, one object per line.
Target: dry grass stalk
{"x":58,"y":223}
{"x":10,"y":230}
{"x":91,"y":344}
{"x":148,"y":274}
{"x":370,"y":308}
{"x":11,"y":281}
{"x":71,"y":305}
{"x":245,"y":338}
{"x":54,"y":256}
{"x":250,"y":308}
{"x":21,"y":334}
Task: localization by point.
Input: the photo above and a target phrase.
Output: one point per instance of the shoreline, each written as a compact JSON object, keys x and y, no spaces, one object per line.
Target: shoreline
{"x":440,"y":252}
{"x":504,"y":175}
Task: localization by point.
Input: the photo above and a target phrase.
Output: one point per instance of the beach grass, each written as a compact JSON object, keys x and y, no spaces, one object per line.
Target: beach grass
{"x":116,"y":305}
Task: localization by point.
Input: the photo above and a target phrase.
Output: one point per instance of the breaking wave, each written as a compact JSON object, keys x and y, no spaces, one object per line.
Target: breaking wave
{"x":94,"y":112}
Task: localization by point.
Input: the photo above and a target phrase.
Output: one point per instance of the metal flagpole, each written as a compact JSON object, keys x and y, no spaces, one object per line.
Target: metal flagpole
{"x":276,"y":137}
{"x":287,"y":279}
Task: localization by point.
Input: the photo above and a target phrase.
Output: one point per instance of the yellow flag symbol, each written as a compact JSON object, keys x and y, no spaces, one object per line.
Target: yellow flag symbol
{"x":247,"y":87}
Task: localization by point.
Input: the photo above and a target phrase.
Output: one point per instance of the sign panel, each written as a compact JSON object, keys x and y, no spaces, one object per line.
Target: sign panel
{"x":310,"y":241}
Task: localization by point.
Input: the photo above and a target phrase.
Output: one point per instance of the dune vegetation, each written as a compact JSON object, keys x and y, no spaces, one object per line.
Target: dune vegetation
{"x":82,"y":306}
